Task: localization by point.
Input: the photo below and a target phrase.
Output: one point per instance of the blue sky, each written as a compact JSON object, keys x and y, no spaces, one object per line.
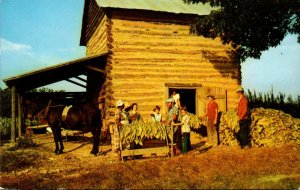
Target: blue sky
{"x":40,"y":33}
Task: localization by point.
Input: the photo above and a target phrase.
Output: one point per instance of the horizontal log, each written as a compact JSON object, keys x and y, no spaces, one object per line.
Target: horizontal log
{"x":191,"y":39}
{"x":179,"y":43}
{"x":166,"y":62}
{"x":176,"y":67}
{"x":168,"y":51}
{"x":158,"y":83}
{"x":142,"y":24}
{"x":146,"y":75}
{"x":148,"y":55}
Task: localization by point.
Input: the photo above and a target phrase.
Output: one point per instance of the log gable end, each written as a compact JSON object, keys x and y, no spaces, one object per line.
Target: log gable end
{"x":151,"y":52}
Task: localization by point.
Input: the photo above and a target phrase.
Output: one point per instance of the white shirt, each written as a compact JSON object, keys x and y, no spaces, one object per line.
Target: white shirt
{"x":185,"y":128}
{"x":157,"y":117}
{"x":176,"y":98}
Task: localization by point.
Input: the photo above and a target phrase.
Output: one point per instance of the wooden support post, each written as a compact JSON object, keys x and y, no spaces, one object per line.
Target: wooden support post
{"x":19,"y":115}
{"x":172,"y":143}
{"x":13,"y":115}
{"x":226,"y":96}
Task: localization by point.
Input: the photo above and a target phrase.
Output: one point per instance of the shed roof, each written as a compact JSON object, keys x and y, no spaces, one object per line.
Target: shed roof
{"x":55,"y":73}
{"x":171,"y":6}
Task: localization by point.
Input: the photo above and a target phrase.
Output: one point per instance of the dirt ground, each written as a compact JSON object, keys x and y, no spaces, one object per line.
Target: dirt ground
{"x":37,"y":167}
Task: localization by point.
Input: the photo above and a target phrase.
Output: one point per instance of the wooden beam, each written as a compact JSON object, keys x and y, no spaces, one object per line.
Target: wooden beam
{"x":74,"y":82}
{"x":95,"y":69}
{"x":183,"y":85}
{"x":19,"y":115}
{"x":13,"y":115}
{"x":81,"y":79}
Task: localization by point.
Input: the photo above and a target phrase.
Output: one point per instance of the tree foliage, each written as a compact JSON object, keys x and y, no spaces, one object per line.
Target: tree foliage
{"x":279,"y":102}
{"x":250,"y":26}
{"x":5,"y":99}
{"x":5,"y":102}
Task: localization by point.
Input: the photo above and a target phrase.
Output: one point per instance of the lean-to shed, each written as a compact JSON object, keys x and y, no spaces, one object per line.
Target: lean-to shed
{"x":152,"y":53}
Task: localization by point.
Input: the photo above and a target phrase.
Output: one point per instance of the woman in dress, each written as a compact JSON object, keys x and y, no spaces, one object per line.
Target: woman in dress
{"x":133,"y":112}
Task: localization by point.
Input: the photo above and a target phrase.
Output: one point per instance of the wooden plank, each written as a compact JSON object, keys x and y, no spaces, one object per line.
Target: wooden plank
{"x":95,"y":69}
{"x":74,"y":82}
{"x":81,"y":79}
{"x":38,"y":126}
{"x":146,"y":152}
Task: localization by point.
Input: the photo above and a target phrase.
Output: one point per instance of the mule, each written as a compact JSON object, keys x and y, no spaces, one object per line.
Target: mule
{"x":85,"y":117}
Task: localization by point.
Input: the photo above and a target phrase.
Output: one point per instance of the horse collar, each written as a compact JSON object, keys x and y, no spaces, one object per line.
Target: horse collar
{"x":65,"y":113}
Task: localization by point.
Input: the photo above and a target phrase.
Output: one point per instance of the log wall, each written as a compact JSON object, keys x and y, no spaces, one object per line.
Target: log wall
{"x":148,"y":57}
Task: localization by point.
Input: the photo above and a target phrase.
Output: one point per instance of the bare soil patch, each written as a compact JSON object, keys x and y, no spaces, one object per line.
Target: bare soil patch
{"x":37,"y":167}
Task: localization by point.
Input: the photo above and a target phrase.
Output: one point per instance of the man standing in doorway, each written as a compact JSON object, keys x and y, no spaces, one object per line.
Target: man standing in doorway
{"x":171,"y":119}
{"x":212,"y":117}
{"x":242,"y":113}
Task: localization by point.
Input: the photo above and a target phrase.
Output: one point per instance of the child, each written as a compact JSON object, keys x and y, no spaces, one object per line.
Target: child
{"x":186,"y":130}
{"x":156,"y":116}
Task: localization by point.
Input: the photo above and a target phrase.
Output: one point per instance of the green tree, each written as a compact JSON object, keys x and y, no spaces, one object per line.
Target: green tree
{"x":5,"y":102}
{"x":250,"y":26}
{"x":5,"y":99}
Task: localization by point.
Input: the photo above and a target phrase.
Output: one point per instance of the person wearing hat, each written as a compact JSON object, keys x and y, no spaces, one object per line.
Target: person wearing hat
{"x":242,"y":113}
{"x":121,"y":118}
{"x":211,"y":122}
{"x":176,"y":97}
{"x":173,"y":112}
{"x":172,"y":118}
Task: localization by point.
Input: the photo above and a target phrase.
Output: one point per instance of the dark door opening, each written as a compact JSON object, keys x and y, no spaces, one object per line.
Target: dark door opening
{"x":187,"y":98}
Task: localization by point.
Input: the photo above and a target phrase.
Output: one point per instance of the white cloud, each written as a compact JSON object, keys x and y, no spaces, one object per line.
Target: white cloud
{"x":13,"y":47}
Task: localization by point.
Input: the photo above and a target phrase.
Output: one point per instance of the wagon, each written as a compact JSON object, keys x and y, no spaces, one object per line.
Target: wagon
{"x":152,"y":147}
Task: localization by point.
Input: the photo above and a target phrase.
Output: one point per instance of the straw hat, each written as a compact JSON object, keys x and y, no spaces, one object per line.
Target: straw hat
{"x":170,"y":100}
{"x":239,"y":89}
{"x":119,"y":103}
{"x":213,"y":97}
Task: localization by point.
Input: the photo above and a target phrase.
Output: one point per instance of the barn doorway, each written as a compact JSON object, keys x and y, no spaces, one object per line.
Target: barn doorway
{"x":187,"y":97}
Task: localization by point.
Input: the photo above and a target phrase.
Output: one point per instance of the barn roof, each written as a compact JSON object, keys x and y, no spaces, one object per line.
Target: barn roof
{"x":55,"y":73}
{"x":171,"y":6}
{"x":177,"y":7}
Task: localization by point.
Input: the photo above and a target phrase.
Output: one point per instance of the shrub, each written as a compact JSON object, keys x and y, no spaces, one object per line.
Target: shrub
{"x":5,"y":124}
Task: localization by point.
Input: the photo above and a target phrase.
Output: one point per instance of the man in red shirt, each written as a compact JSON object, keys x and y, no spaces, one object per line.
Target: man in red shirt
{"x":212,"y":116}
{"x":242,"y":113}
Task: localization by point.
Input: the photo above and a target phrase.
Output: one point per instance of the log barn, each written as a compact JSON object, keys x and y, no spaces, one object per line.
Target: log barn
{"x":151,"y":53}
{"x":140,"y":51}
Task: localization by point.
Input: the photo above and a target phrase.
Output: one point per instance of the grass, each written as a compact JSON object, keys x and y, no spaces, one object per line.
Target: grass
{"x":221,"y":167}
